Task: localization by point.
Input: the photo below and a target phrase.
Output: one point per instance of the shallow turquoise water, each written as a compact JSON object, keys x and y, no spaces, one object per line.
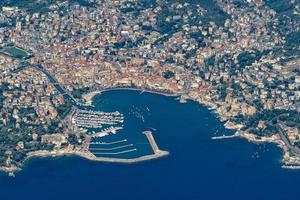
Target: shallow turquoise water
{"x":197,"y":168}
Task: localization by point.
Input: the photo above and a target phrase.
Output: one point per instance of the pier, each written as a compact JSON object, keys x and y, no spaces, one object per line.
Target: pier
{"x":109,"y":143}
{"x":116,"y":153}
{"x":105,"y":132}
{"x":85,"y":153}
{"x":225,"y":136}
{"x":152,"y":141}
{"x":157,"y":153}
{"x":109,"y":149}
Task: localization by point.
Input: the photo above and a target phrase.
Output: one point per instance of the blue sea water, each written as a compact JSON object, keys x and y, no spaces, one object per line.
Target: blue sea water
{"x":197,"y":168}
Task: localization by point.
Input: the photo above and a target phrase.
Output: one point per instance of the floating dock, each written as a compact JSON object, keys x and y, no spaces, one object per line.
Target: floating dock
{"x":109,"y":143}
{"x":109,"y":149}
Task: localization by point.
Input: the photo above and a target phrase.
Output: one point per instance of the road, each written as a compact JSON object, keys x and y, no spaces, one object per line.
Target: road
{"x":66,"y":94}
{"x":57,"y":85}
{"x":21,"y":67}
{"x":293,"y":149}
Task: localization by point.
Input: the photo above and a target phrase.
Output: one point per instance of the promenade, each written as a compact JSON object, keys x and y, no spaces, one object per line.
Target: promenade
{"x":88,"y":97}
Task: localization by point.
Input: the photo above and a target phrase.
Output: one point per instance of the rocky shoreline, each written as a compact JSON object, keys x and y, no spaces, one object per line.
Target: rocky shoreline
{"x":85,"y":153}
{"x":289,"y":161}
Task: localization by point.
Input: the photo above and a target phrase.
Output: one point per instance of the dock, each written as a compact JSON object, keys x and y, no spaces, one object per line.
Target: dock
{"x":92,"y":155}
{"x":109,"y":149}
{"x":157,"y":152}
{"x":225,"y":136}
{"x":109,"y":143}
{"x":115,"y":153}
{"x":152,"y":141}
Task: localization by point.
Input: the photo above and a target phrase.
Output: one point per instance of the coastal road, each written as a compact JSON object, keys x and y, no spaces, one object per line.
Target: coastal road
{"x":293,"y":149}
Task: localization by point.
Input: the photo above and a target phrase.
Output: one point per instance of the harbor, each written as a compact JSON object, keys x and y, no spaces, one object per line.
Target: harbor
{"x":105,"y":132}
{"x":119,"y":151}
{"x":196,"y":165}
{"x":90,"y":119}
{"x":125,"y":148}
{"x":88,"y":97}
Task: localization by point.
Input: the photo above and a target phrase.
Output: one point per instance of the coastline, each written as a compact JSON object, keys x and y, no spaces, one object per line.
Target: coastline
{"x":89,"y":156}
{"x":88,"y":97}
{"x":287,"y":159}
{"x":84,"y":153}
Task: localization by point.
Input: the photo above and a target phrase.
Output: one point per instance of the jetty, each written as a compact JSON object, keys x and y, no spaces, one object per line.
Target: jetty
{"x":85,"y":153}
{"x":157,"y":153}
{"x":105,"y":132}
{"x":225,"y":136}
{"x":109,"y":143}
{"x":109,"y":149}
{"x":152,"y":141}
{"x":115,"y":153}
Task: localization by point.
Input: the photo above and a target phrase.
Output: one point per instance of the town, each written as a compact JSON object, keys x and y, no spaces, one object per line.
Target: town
{"x":243,"y":63}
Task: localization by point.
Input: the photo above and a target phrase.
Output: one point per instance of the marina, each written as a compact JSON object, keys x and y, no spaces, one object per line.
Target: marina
{"x":109,"y":143}
{"x":197,"y":166}
{"x":109,"y":149}
{"x":115,"y":153}
{"x":117,"y":148}
{"x":96,"y":119}
{"x":105,"y":132}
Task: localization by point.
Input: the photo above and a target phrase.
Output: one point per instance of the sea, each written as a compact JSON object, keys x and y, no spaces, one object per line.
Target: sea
{"x":198,"y":168}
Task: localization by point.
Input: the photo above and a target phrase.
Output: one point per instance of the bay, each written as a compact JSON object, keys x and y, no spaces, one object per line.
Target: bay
{"x":197,"y":167}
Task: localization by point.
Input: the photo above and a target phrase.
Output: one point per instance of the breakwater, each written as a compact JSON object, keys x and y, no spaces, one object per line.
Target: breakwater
{"x":196,"y":168}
